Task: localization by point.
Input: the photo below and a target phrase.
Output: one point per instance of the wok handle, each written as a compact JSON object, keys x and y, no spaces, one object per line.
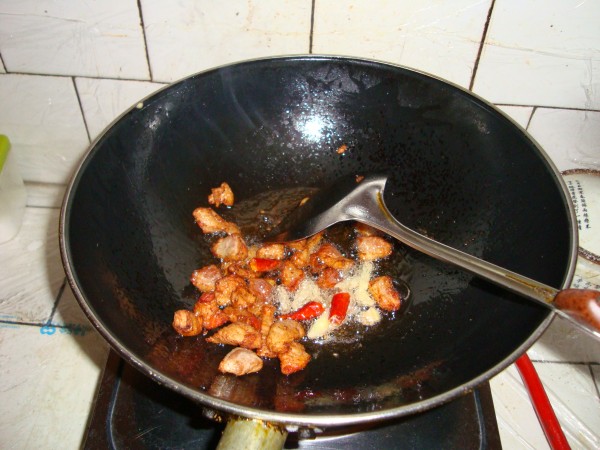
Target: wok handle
{"x":251,"y":434}
{"x":581,"y":307}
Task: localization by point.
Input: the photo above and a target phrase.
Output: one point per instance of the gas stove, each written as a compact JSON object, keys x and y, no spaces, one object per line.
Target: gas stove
{"x":133,"y":412}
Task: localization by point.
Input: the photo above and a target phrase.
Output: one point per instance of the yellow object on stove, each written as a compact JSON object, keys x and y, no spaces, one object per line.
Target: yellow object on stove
{"x":13,"y":196}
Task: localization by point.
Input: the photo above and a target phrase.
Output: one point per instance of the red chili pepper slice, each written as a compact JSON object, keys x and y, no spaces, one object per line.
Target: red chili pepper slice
{"x":264,"y":264}
{"x":307,"y":312}
{"x":339,"y":307}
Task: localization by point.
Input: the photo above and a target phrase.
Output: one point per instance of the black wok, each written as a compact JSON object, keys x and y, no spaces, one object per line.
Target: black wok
{"x":459,"y":169}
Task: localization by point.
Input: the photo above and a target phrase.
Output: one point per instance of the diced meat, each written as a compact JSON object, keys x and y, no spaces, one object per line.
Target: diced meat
{"x":239,"y":334}
{"x":291,"y":276}
{"x":186,"y":323}
{"x":221,"y":195}
{"x":238,"y":268}
{"x":363,"y":229}
{"x":238,"y":301}
{"x":211,"y":222}
{"x":225,"y":287}
{"x":329,"y":277}
{"x":206,"y":297}
{"x":282,"y":333}
{"x":242,"y":297}
{"x":313,"y":242}
{"x":240,"y":361}
{"x":297,"y":245}
{"x":329,"y":256}
{"x":230,"y":248}
{"x":261,"y":288}
{"x":204,"y":279}
{"x":294,"y":359}
{"x":371,"y":248}
{"x":235,"y":314}
{"x":385,"y":294}
{"x":300,"y":258}
{"x":209,"y":314}
{"x":271,"y":251}
{"x":267,"y":320}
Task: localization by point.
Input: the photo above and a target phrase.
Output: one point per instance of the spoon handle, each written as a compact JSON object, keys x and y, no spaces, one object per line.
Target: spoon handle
{"x":581,"y":307}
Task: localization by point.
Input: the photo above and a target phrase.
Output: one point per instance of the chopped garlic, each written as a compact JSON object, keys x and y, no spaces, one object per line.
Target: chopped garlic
{"x":283,"y":298}
{"x":370,"y":317}
{"x":307,"y":291}
{"x":320,"y":327}
{"x":358,"y":285}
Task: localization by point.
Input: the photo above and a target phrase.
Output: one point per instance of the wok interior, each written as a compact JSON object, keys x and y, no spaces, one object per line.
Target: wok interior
{"x":459,"y":172}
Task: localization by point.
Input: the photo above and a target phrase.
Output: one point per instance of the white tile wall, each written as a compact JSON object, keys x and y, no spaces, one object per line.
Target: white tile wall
{"x":570,"y":137}
{"x":514,"y":411}
{"x":45,"y":195}
{"x":571,"y":391}
{"x":63,"y":37}
{"x":48,"y":383}
{"x":32,"y":273}
{"x":103,"y":100}
{"x":520,"y":114}
{"x":42,"y":118}
{"x":189,"y":36}
{"x":562,"y":342}
{"x":542,"y":52}
{"x":439,"y":37}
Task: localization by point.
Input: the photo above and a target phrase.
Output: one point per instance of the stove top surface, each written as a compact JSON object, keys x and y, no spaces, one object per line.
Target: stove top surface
{"x":134,"y":412}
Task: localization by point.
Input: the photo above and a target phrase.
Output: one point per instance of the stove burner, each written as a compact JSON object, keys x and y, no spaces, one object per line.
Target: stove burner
{"x":133,"y":412}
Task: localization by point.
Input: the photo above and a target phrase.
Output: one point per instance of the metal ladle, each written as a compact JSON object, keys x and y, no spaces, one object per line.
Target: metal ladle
{"x":363,"y":201}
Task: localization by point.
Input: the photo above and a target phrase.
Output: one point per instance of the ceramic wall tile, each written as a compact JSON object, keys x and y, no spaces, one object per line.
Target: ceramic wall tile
{"x":520,"y":114}
{"x":45,"y":195}
{"x":517,"y":422}
{"x":42,"y":118}
{"x":190,"y":36}
{"x":596,"y":377}
{"x":563,"y":342}
{"x":438,"y":37}
{"x":32,"y":273}
{"x":68,"y":313}
{"x":63,"y":37}
{"x":574,"y":398}
{"x":541,"y":52}
{"x":103,"y":100}
{"x":48,"y":384}
{"x":570,"y":137}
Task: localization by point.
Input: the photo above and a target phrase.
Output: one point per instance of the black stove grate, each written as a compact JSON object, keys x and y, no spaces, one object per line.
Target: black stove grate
{"x":133,"y":412}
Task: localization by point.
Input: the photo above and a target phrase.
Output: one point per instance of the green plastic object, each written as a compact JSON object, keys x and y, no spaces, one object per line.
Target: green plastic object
{"x":4,"y":149}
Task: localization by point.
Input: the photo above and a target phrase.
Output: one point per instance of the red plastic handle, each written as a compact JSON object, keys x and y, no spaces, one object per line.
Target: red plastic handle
{"x":545,"y":413}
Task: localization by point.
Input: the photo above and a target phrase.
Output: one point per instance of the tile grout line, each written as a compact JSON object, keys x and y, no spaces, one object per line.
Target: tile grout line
{"x":572,"y":363}
{"x":58,"y":75}
{"x":312,"y":27}
{"x":139,"y":5}
{"x":56,"y":301}
{"x":85,"y":124}
{"x":481,"y":44}
{"x":533,"y":111}
{"x":596,"y":387}
{"x":165,"y":83}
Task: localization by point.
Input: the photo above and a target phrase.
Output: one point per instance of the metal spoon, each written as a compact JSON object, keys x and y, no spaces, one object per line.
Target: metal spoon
{"x":363,"y":201}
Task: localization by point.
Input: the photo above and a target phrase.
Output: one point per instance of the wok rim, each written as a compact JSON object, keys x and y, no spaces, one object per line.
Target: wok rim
{"x":220,"y":407}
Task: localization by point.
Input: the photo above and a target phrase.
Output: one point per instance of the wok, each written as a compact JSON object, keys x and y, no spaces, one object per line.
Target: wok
{"x":459,"y":171}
